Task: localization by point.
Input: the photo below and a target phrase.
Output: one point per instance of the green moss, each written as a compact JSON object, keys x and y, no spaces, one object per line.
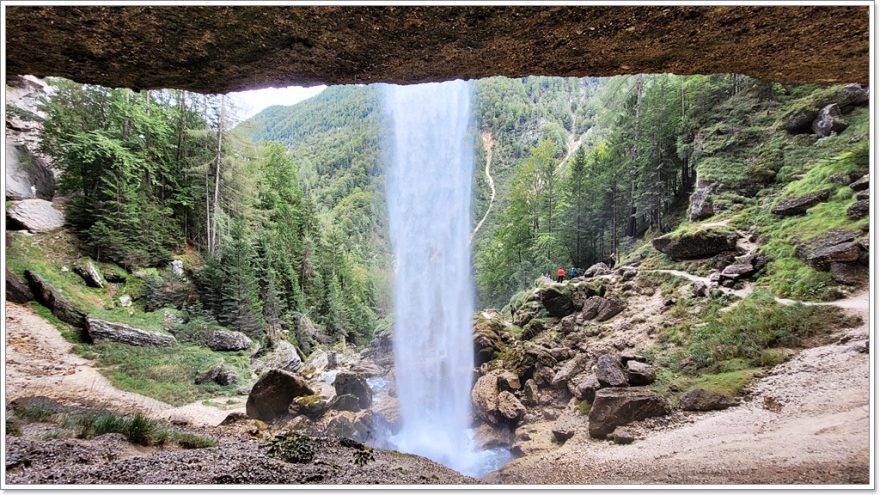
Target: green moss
{"x":584,"y":407}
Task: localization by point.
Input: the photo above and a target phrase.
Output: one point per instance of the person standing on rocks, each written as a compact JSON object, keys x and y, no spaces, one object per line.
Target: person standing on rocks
{"x":572,"y":272}
{"x":560,"y":274}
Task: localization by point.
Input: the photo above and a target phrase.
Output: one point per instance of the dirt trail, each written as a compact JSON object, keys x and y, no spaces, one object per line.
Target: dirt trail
{"x":805,"y":421}
{"x":40,"y":362}
{"x":486,"y":136}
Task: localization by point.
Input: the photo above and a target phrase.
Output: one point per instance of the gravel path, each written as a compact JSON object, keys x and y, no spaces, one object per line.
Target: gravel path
{"x":40,"y":362}
{"x":805,"y":421}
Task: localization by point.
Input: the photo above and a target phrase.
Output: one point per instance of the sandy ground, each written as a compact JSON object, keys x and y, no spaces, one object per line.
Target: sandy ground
{"x":806,"y":421}
{"x":40,"y":362}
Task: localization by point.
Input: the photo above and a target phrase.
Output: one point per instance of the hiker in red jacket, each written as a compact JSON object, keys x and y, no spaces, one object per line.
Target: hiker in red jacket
{"x":560,"y":274}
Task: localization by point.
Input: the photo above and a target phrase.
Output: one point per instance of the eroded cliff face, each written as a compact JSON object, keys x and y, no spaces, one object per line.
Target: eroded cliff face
{"x":221,"y":49}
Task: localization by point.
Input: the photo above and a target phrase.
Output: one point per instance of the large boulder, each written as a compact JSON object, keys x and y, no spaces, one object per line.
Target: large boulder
{"x":845,"y":99}
{"x":16,"y":290}
{"x":89,"y":273}
{"x":50,"y":297}
{"x":639,"y":373}
{"x":484,"y":396}
{"x":556,"y":300}
{"x":862,"y":184}
{"x":701,"y":206}
{"x":609,"y":372}
{"x":798,"y":205}
{"x":584,"y":386}
{"x":829,"y":120}
{"x":700,"y":243}
{"x":273,"y":393}
{"x":27,"y":175}
{"x":834,"y":246}
{"x":848,"y":273}
{"x":614,"y":407}
{"x":348,"y":383}
{"x":228,"y":340}
{"x":510,"y":408}
{"x":525,"y":312}
{"x":507,"y":380}
{"x":98,"y":330}
{"x":537,"y":325}
{"x":357,"y":426}
{"x":35,"y":215}
{"x":700,"y":399}
{"x":608,"y":308}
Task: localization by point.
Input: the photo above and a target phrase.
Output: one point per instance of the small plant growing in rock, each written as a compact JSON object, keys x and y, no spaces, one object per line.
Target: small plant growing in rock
{"x":292,"y":447}
{"x":362,"y":457}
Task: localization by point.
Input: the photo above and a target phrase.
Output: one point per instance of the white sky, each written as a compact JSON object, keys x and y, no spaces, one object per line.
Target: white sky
{"x":250,"y":103}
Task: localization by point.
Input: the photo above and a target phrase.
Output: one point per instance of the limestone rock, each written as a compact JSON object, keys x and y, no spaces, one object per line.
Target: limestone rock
{"x":16,"y":290}
{"x":488,"y":331}
{"x":125,"y":301}
{"x":508,"y":381}
{"x":49,"y":297}
{"x":608,"y":308}
{"x":596,"y":270}
{"x":348,"y":383}
{"x":848,"y":273}
{"x":829,"y":120}
{"x":283,"y":356}
{"x":584,"y":387}
{"x":615,"y":407}
{"x":489,"y":437}
{"x":622,"y":436}
{"x":90,"y":274}
{"x":531,"y":395}
{"x":862,"y":184}
{"x":696,"y":244}
{"x":99,"y":330}
{"x":510,"y":407}
{"x":228,"y":340}
{"x":859,"y":209}
{"x":609,"y":373}
{"x":484,"y":396}
{"x":355,"y":426}
{"x":27,"y":174}
{"x":177,"y":268}
{"x":701,"y":206}
{"x":799,"y":205}
{"x":700,"y":399}
{"x":556,"y":300}
{"x":35,"y":215}
{"x":569,"y":369}
{"x":640,"y":373}
{"x":273,"y":393}
{"x":835,"y":245}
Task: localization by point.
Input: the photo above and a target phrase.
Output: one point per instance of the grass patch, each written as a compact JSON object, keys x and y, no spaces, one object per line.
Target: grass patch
{"x":137,"y":428}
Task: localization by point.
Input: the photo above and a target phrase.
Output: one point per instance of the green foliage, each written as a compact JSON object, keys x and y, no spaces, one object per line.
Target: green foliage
{"x":292,"y":447}
{"x":363,"y":457}
{"x":137,"y":428}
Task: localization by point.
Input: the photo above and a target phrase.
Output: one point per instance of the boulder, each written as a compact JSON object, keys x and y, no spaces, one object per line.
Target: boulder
{"x":591,"y":307}
{"x":835,"y":245}
{"x":799,"y":205}
{"x":801,"y":122}
{"x":742,"y":268}
{"x":608,"y":308}
{"x":701,"y":206}
{"x":488,"y":331}
{"x":859,"y":209}
{"x":569,"y":369}
{"x":98,"y":330}
{"x":90,"y":274}
{"x":700,"y":399}
{"x":615,"y":407}
{"x":218,"y":375}
{"x":828,"y":120}
{"x":526,"y":311}
{"x":609,"y":372}
{"x":228,"y":340}
{"x":556,"y":300}
{"x":848,"y":273}
{"x":639,"y":373}
{"x":862,"y":184}
{"x":580,"y":292}
{"x":27,"y":175}
{"x":584,"y":387}
{"x":484,"y":396}
{"x":537,"y":325}
{"x":597,"y":270}
{"x":530,"y":393}
{"x":313,"y":406}
{"x":35,"y":215}
{"x":283,"y":356}
{"x":345,"y":402}
{"x":125,"y":301}
{"x":510,"y":408}
{"x":568,"y":324}
{"x":563,"y":429}
{"x":622,"y":436}
{"x":508,"y":380}
{"x":177,"y":268}
{"x":16,"y":290}
{"x":273,"y":393}
{"x":387,"y":409}
{"x":700,"y":289}
{"x":348,"y":383}
{"x":357,"y":426}
{"x":696,"y":244}
{"x":208,"y":376}
{"x":51,"y":298}
{"x":489,"y":437}
{"x":863,"y":195}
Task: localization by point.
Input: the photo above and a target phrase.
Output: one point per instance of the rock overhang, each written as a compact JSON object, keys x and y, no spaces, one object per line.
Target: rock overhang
{"x":216,"y":49}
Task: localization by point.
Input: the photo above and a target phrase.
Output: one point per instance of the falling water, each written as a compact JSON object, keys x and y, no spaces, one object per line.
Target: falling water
{"x":429,"y":195}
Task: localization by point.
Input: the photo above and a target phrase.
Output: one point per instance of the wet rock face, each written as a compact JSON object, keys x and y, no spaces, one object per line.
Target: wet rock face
{"x":614,"y":407}
{"x":229,"y":48}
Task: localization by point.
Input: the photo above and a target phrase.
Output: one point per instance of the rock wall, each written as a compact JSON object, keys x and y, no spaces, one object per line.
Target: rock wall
{"x":222,"y":48}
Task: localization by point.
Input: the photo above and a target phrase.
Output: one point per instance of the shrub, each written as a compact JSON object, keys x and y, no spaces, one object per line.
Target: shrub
{"x":292,"y":447}
{"x":362,"y":457}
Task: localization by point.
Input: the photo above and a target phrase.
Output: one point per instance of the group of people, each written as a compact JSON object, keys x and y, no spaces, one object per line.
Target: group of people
{"x":573,"y":272}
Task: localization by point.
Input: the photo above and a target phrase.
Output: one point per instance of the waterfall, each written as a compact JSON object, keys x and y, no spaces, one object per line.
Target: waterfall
{"x":431,"y":155}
